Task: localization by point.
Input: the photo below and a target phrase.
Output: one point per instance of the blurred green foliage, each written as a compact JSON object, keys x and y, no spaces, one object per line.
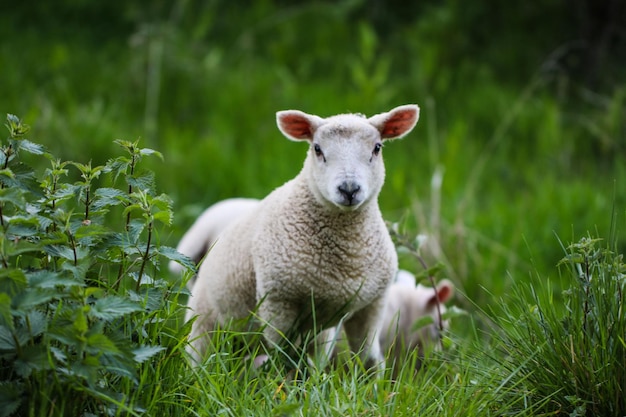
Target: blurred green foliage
{"x":522,"y":107}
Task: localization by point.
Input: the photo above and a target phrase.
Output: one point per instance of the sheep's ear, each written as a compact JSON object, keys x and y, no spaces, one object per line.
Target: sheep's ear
{"x":297,"y":125}
{"x":397,"y":122}
{"x":444,"y":290}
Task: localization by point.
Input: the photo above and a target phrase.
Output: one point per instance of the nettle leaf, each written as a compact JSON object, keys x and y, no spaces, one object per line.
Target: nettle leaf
{"x":151,"y":298}
{"x":141,"y":181}
{"x":66,"y":192}
{"x":23,"y":226}
{"x":66,"y":252}
{"x":23,"y":246}
{"x":125,"y":242}
{"x":32,"y":358}
{"x":92,"y":233}
{"x":37,"y":323}
{"x":145,"y":278}
{"x":148,"y":151}
{"x":122,"y":365}
{"x":12,"y":281}
{"x":58,"y":354}
{"x":11,"y":395}
{"x":50,"y":279}
{"x":173,"y":255}
{"x":7,"y":341}
{"x":100,"y":344}
{"x":23,"y":177}
{"x":164,"y":217}
{"x":24,"y":330}
{"x":13,"y":195}
{"x":144,"y":353}
{"x":112,"y":307}
{"x":34,"y":297}
{"x":7,"y":173}
{"x":78,"y":270}
{"x":64,"y":333}
{"x":31,"y":147}
{"x":106,"y":197}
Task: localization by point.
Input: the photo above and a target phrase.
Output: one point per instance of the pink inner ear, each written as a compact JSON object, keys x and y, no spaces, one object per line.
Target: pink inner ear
{"x":444,"y":292}
{"x":399,"y":123}
{"x":296,"y":126}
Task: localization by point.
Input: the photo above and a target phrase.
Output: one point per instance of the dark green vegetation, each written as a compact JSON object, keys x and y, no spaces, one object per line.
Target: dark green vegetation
{"x":520,"y":146}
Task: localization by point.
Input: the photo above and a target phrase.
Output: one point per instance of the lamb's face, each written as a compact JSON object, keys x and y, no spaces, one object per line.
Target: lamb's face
{"x":345,"y":162}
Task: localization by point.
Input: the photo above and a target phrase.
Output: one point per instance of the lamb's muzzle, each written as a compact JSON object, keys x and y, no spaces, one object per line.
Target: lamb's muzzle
{"x":349,"y":192}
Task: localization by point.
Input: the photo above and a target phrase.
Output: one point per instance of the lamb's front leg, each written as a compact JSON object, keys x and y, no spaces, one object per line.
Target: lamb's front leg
{"x":280,"y":321}
{"x":362,"y":332}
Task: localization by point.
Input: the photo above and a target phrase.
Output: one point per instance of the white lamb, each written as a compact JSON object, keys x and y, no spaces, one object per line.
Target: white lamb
{"x":406,"y":305}
{"x":204,"y":232}
{"x":315,"y":247}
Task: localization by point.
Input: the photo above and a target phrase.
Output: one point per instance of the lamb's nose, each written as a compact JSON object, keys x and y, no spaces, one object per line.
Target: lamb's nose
{"x":349,"y":190}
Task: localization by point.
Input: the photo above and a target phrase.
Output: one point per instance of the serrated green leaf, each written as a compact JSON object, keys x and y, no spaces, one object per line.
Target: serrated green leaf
{"x":65,"y":192}
{"x":11,"y":395}
{"x":37,"y":323}
{"x":12,"y":281}
{"x":58,"y":354}
{"x":173,"y":255}
{"x":100,"y":344}
{"x":13,"y":195}
{"x":7,"y":173}
{"x":66,"y":252}
{"x":32,"y":358}
{"x":93,"y":231}
{"x":164,"y":217}
{"x":107,"y":197}
{"x":50,"y":279}
{"x":148,"y":151}
{"x":31,"y":147}
{"x":112,"y":307}
{"x":23,"y":226}
{"x":23,"y":246}
{"x":33,"y":297}
{"x":142,"y":181}
{"x":144,"y":353}
{"x":7,"y":341}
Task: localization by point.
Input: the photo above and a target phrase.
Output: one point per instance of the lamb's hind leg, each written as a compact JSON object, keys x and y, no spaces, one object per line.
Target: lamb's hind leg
{"x":362,"y":332}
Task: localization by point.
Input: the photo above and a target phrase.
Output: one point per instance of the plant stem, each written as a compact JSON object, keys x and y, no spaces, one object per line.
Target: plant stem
{"x":146,"y":255}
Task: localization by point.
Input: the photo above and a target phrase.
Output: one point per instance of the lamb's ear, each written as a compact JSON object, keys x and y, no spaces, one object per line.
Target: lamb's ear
{"x":445,"y":291}
{"x":297,"y":125}
{"x":397,"y":122}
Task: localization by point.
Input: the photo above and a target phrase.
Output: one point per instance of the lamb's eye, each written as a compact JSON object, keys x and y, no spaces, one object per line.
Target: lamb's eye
{"x":318,"y":151}
{"x":377,"y":149}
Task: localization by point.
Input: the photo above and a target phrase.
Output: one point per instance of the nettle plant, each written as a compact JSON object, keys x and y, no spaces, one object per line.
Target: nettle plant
{"x":82,"y":306}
